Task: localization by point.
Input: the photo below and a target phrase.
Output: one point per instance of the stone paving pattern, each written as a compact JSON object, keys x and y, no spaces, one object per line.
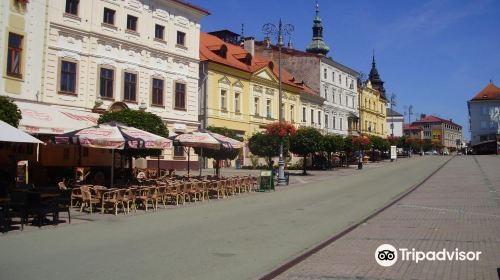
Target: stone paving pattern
{"x":458,"y":207}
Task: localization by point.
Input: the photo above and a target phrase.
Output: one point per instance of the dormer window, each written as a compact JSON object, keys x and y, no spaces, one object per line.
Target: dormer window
{"x":222,"y":52}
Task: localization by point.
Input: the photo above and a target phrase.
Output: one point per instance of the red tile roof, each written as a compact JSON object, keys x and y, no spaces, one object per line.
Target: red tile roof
{"x":407,"y":126}
{"x":490,"y":92}
{"x":189,"y":5}
{"x":235,"y":56}
{"x":434,"y":119}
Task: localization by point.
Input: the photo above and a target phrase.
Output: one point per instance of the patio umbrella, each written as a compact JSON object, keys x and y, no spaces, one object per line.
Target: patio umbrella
{"x":205,"y":139}
{"x":12,"y":134}
{"x":114,"y":136}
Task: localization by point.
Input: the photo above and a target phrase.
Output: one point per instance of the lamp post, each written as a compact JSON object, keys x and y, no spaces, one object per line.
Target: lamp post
{"x":361,"y":87}
{"x":279,"y":31}
{"x":393,"y":103}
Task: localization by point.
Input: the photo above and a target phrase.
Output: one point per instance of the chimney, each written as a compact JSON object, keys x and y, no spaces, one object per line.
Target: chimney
{"x":249,"y":45}
{"x":267,"y":41}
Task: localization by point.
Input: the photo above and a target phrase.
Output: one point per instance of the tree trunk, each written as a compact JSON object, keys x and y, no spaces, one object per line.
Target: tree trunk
{"x":304,"y":170}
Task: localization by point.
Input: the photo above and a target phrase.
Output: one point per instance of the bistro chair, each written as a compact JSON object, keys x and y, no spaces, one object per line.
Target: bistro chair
{"x":88,"y":199}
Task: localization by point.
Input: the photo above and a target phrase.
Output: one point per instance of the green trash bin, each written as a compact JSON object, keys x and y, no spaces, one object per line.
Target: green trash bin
{"x":266,"y":181}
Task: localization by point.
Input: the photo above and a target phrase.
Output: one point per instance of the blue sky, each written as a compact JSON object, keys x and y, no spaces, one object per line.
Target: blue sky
{"x":433,"y":54}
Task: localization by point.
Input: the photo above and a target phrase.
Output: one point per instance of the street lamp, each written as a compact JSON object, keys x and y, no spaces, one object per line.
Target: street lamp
{"x":361,"y":87}
{"x":269,"y":30}
{"x":393,"y":103}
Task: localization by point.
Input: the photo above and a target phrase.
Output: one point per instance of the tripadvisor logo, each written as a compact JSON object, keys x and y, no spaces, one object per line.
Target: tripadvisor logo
{"x":387,"y":255}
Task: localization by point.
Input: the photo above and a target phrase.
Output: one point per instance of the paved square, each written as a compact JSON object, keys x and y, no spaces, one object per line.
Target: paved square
{"x":458,"y":207}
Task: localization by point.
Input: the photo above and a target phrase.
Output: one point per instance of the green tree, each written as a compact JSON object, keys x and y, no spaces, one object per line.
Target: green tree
{"x":222,"y":154}
{"x":9,"y":112}
{"x":267,"y":146}
{"x":139,"y":119}
{"x":347,"y":148}
{"x":306,"y":141}
{"x":331,"y":144}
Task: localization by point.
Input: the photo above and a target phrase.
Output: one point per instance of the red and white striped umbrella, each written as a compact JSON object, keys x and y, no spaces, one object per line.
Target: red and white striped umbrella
{"x":208,"y":140}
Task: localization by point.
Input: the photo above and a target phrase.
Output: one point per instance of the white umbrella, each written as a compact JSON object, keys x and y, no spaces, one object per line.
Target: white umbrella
{"x":206,"y":140}
{"x":114,"y":136}
{"x":9,"y":133}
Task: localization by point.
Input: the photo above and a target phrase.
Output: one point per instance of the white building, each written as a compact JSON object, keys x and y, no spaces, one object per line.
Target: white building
{"x":21,"y":38}
{"x":104,"y":55}
{"x":394,"y":123}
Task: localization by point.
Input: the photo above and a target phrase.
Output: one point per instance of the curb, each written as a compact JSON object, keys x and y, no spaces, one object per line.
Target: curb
{"x":289,"y":264}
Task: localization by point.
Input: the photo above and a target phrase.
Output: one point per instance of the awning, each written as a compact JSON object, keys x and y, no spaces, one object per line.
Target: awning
{"x":49,"y":119}
{"x":12,"y":134}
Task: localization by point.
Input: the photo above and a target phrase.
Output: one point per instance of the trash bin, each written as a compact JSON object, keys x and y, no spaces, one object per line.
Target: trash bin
{"x":238,"y":164}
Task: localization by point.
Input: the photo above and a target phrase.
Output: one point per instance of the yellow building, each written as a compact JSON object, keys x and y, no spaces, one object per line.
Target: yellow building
{"x":372,"y":110}
{"x":240,"y":91}
{"x":373,"y":104}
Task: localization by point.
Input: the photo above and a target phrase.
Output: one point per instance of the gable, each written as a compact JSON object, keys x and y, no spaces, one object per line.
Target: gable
{"x":224,"y":80}
{"x":266,"y":75}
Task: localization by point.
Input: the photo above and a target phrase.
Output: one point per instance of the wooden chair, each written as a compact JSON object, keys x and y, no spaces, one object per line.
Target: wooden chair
{"x":216,"y":188}
{"x":162,"y":194}
{"x":203,"y":190}
{"x":153,"y":196}
{"x":230,"y":187}
{"x":88,"y":199}
{"x":172,"y":192}
{"x":110,"y":199}
{"x":129,"y":198}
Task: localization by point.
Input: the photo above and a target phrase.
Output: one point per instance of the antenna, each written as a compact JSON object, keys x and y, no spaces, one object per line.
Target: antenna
{"x":242,"y":39}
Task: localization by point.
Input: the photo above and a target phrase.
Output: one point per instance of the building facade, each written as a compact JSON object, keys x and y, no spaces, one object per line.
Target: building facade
{"x":240,"y":90}
{"x":22,"y":35}
{"x":413,"y":131}
{"x":372,"y":111}
{"x":335,"y":82}
{"x":439,"y":130}
{"x":109,"y":55}
{"x":484,"y":120}
{"x":394,"y":123}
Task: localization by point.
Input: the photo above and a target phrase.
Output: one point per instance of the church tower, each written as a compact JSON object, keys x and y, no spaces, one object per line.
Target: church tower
{"x":317,"y":45}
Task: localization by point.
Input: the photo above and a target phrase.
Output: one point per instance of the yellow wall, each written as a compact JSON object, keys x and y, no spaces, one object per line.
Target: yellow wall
{"x":373,"y":112}
{"x":262,"y":85}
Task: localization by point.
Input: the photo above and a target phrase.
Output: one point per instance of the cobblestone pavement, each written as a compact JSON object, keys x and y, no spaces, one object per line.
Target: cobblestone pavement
{"x":296,"y":180}
{"x":241,"y":237}
{"x":458,"y":207}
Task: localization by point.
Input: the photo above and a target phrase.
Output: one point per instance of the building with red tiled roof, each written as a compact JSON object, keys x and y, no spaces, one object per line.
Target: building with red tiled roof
{"x":484,"y":119}
{"x":335,"y":82}
{"x":239,"y":90}
{"x":437,"y":129}
{"x":413,"y":130}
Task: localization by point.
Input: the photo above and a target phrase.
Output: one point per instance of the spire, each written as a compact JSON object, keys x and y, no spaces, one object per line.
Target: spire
{"x":317,"y":45}
{"x":242,"y":39}
{"x":375,"y":79}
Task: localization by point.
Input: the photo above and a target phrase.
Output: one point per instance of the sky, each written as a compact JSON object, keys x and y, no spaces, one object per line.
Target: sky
{"x":432,"y":54}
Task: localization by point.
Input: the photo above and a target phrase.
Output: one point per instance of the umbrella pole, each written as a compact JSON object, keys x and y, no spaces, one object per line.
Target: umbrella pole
{"x":189,"y":166}
{"x":158,"y":167}
{"x":200,"y":164}
{"x":112,"y":166}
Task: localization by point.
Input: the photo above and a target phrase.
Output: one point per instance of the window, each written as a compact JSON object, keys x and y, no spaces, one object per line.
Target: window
{"x":157,"y":94}
{"x":334,"y":121}
{"x":178,"y":151}
{"x":14,"y":55}
{"x":109,"y":16}
{"x":256,"y":106}
{"x":312,"y":116}
{"x":292,"y":113}
{"x":131,"y":23}
{"x":483,"y":125}
{"x":180,"y":96}
{"x":352,"y":101}
{"x":303,"y":114}
{"x":325,"y":73}
{"x":484,"y":110}
{"x":333,"y":77}
{"x":341,"y":123}
{"x":72,"y":7}
{"x":282,"y":111}
{"x":269,"y":113}
{"x":237,"y":102}
{"x":346,"y":81}
{"x":106,"y":82}
{"x":67,"y":82}
{"x":319,"y":117}
{"x":130,"y":87}
{"x":326,"y":121}
{"x":346,"y":100}
{"x":340,"y":79}
{"x":366,"y":125}
{"x":181,"y":38}
{"x":159,"y":31}
{"x":223,"y":100}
